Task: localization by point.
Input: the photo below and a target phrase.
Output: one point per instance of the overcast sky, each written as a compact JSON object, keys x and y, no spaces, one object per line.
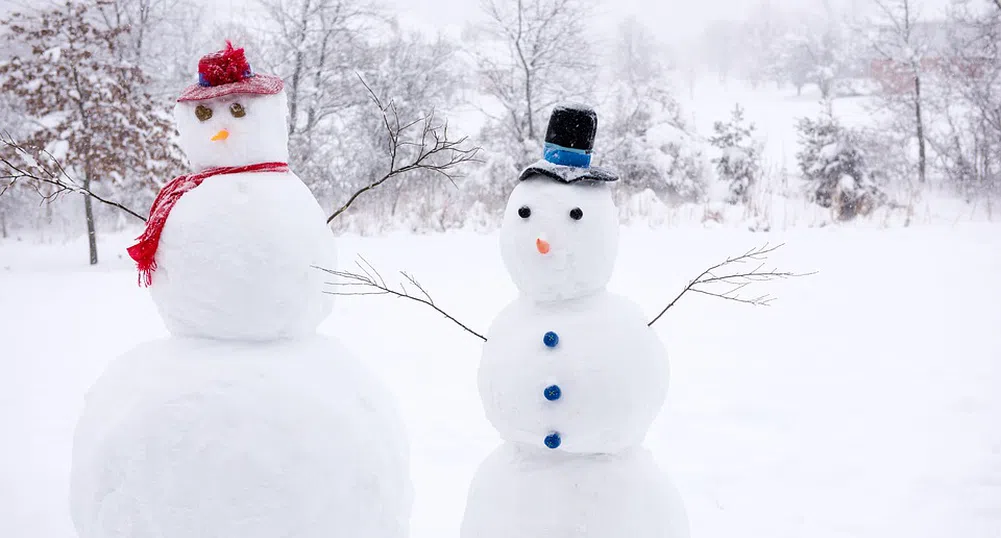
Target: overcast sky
{"x":676,"y":20}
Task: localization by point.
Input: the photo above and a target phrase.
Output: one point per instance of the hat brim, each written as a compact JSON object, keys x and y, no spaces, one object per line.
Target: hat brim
{"x":568,"y":174}
{"x":258,"y":84}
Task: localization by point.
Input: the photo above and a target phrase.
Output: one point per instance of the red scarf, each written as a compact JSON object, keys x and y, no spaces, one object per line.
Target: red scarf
{"x":144,"y":251}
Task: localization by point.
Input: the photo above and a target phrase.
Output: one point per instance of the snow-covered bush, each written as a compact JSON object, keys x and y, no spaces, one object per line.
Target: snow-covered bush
{"x":739,"y":161}
{"x":650,"y":147}
{"x":834,"y":166}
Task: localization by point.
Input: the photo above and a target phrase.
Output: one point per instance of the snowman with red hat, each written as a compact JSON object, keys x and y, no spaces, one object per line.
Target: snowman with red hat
{"x":244,"y":422}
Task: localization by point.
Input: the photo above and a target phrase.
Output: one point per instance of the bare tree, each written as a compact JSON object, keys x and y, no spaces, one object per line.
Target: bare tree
{"x":314,"y":47}
{"x":421,"y":144}
{"x":531,"y":55}
{"x":901,"y":44}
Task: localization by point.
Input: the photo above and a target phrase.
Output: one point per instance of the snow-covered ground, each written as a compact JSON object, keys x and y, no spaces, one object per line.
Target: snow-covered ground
{"x":863,"y":403}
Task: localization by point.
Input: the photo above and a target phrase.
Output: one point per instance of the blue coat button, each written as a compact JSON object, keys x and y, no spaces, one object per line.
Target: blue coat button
{"x":551,"y":339}
{"x":552,"y":393}
{"x":553,"y":440}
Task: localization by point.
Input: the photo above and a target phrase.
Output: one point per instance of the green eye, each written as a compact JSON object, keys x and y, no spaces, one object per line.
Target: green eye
{"x":237,"y":110}
{"x":203,"y":112}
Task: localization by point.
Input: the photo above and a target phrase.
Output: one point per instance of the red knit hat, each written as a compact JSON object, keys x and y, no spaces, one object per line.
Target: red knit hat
{"x":227,"y":72}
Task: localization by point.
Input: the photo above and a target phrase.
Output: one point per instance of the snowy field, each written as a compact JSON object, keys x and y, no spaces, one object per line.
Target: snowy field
{"x":863,"y":403}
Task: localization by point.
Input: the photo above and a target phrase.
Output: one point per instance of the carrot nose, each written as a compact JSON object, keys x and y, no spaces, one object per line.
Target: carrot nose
{"x":542,"y":245}
{"x":221,"y":135}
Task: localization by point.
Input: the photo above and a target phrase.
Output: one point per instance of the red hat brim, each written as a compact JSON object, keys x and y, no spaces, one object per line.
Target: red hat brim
{"x":256,"y":85}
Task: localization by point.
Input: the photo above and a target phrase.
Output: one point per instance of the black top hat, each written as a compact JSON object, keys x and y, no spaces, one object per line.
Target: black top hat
{"x":569,"y":141}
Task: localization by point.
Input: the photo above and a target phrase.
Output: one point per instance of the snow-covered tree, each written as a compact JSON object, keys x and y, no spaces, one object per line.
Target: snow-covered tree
{"x":739,"y":161}
{"x":897,"y":38}
{"x":833,"y":164}
{"x":316,"y":46}
{"x":645,"y":138}
{"x":967,"y":137}
{"x":816,"y":51}
{"x":89,"y":107}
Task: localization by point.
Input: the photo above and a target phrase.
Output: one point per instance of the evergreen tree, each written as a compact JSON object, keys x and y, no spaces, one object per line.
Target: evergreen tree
{"x":739,"y":162}
{"x":834,"y":166}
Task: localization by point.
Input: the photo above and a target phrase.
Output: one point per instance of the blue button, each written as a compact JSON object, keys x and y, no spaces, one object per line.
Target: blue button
{"x":552,"y":393}
{"x":551,"y":339}
{"x":553,"y":440}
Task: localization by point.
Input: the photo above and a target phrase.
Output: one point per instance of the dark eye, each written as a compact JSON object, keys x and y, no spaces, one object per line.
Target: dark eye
{"x":524,"y":212}
{"x":237,"y":110}
{"x":576,"y":213}
{"x":203,"y":112}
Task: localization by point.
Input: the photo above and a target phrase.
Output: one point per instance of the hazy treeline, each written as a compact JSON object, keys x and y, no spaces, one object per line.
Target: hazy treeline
{"x":93,"y":82}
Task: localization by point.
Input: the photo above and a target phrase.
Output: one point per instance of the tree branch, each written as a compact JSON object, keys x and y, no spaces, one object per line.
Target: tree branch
{"x":736,"y":280}
{"x":425,"y":146}
{"x":53,"y":174}
{"x":371,"y":283}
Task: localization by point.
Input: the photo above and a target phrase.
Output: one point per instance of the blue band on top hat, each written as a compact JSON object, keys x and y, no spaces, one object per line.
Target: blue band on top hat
{"x":577,"y":158}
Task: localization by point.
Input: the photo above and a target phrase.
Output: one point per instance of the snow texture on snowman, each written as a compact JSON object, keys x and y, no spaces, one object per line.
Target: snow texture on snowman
{"x":244,"y":422}
{"x":571,"y":375}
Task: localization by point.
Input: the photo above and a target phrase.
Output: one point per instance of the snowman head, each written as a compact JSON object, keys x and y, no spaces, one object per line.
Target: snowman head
{"x":559,"y":241}
{"x":232,"y":117}
{"x":560,"y":233}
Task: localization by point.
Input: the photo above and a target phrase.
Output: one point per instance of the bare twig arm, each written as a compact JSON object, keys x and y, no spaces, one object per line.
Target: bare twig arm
{"x":433,"y":150}
{"x":370,"y":282}
{"x":736,"y":280}
{"x":39,"y":173}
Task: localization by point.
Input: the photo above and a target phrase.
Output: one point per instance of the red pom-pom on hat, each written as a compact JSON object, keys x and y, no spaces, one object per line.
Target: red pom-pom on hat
{"x":224,"y":67}
{"x":227,"y":72}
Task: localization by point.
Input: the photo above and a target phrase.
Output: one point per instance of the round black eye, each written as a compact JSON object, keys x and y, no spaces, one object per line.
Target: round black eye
{"x":524,"y":212}
{"x":203,"y":112}
{"x":237,"y":110}
{"x":576,"y":213}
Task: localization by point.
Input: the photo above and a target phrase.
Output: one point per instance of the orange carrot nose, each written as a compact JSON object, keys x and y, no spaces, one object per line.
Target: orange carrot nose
{"x":221,"y":135}
{"x":542,"y":245}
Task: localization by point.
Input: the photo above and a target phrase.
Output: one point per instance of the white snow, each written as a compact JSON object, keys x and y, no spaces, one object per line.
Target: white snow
{"x":526,"y":492}
{"x":582,"y":252}
{"x":863,"y":404}
{"x":236,"y":259}
{"x":259,"y":136}
{"x":200,"y":437}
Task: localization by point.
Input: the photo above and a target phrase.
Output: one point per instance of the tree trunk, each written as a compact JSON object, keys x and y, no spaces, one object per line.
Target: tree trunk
{"x":293,"y":97}
{"x":89,"y":212}
{"x":3,"y":225}
{"x":922,"y":159}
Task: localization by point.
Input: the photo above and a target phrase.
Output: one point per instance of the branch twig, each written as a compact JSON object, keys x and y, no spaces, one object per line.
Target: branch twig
{"x":372,"y":283}
{"x":37,"y":173}
{"x":429,"y":143}
{"x":736,"y":280}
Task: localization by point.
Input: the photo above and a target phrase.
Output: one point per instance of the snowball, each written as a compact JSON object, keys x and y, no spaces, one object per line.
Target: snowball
{"x":193,"y":438}
{"x":236,"y":259}
{"x":261,"y":135}
{"x":582,"y":252}
{"x":520,"y":492}
{"x":611,"y":369}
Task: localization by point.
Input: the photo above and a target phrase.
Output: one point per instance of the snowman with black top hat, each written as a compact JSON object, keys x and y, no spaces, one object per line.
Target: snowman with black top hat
{"x":571,"y":375}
